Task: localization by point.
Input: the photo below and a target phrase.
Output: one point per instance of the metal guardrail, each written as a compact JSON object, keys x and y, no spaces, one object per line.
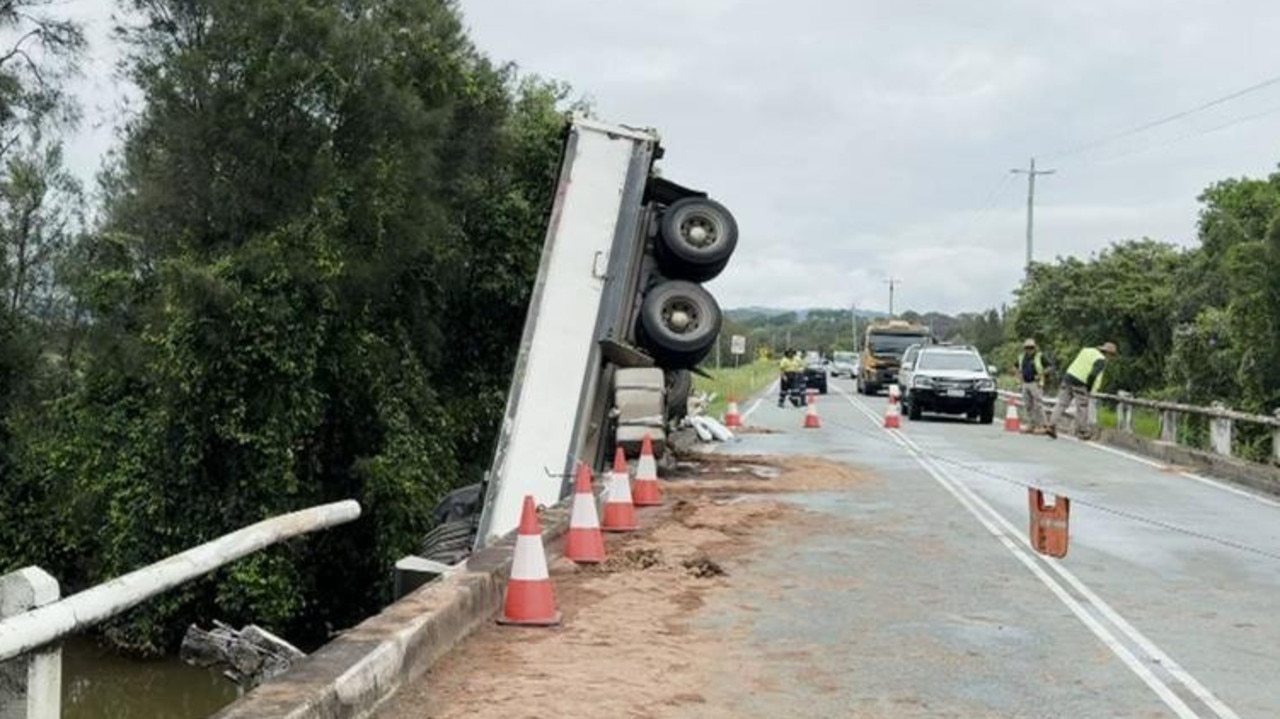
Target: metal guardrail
{"x":1222,"y":419}
{"x":39,"y":619}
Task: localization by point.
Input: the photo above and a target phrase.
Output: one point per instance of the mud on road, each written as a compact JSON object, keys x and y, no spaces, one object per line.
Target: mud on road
{"x":628,"y":646}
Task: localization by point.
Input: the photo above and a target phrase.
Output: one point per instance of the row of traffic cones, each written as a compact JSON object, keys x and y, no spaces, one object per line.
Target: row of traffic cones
{"x":530,"y":599}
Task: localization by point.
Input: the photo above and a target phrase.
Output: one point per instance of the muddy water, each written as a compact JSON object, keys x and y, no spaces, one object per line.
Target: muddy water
{"x":97,"y":684}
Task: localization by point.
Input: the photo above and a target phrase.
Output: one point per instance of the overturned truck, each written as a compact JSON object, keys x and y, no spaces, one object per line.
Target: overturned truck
{"x":617,"y":320}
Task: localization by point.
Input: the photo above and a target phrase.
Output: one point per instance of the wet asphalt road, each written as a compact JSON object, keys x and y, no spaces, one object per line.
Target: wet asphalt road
{"x":922,"y":598}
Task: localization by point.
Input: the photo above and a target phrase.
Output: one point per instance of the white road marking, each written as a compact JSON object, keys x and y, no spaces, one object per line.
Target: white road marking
{"x":1189,"y":475}
{"x":977,"y":506}
{"x":1165,"y":467}
{"x":756,"y":405}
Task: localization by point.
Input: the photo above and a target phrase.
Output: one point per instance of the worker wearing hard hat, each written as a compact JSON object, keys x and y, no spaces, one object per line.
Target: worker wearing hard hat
{"x":1082,"y":378}
{"x":1031,"y":369}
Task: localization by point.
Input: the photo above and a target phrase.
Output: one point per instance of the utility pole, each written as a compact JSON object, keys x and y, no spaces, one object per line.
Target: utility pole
{"x":892,"y":282}
{"x":853,"y":320}
{"x":1031,"y":203}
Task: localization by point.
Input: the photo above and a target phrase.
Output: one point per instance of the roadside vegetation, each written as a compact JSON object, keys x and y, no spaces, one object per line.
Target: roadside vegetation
{"x":304,"y":281}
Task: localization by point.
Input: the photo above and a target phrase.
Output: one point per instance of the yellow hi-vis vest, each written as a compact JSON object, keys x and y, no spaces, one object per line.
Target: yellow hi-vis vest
{"x":1083,"y":365}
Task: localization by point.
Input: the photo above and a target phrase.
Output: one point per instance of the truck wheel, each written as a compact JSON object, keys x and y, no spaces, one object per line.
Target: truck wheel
{"x":696,"y":238}
{"x":679,"y":385}
{"x":679,"y":323}
{"x":987,"y":414}
{"x":914,"y":411}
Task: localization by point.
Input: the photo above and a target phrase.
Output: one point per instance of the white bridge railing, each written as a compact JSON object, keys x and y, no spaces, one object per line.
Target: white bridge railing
{"x":32,"y":617}
{"x":1222,"y":420}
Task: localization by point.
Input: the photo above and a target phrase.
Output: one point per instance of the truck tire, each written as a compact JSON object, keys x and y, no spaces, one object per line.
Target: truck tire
{"x":679,"y":323}
{"x":679,"y":385}
{"x":696,"y":238}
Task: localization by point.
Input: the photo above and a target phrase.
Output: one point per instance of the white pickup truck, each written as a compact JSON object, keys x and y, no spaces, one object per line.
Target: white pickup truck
{"x":617,"y":320}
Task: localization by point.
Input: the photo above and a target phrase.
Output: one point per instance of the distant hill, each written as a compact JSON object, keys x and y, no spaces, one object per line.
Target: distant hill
{"x":747,"y":314}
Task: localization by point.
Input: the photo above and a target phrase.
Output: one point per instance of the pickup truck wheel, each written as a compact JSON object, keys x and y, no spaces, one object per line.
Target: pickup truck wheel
{"x":987,"y":415}
{"x":679,"y":323}
{"x":679,"y":385}
{"x":696,"y":238}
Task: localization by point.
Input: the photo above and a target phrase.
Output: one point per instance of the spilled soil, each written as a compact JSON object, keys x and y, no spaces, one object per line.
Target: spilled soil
{"x":627,"y":646}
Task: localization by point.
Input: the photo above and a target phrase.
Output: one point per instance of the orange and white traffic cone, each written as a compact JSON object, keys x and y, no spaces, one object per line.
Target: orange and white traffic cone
{"x":646,"y":492}
{"x":531,"y":600}
{"x":584,"y":543}
{"x":811,"y":420}
{"x":1011,"y":421}
{"x":732,"y":418}
{"x":619,"y":510}
{"x":893,"y":416}
{"x":895,"y":394}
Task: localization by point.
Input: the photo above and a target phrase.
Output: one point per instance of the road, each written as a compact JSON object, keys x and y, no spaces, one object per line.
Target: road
{"x":919,"y":597}
{"x":1137,"y":620}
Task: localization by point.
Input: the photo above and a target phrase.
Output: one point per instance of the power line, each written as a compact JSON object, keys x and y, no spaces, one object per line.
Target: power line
{"x":1187,"y":136}
{"x":1167,"y":119}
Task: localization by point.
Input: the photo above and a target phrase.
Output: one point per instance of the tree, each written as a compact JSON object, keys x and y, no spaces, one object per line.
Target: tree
{"x":318,"y":238}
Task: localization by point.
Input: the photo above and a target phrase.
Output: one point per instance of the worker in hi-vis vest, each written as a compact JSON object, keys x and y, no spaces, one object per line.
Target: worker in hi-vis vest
{"x":1082,"y":378}
{"x":1031,"y":369}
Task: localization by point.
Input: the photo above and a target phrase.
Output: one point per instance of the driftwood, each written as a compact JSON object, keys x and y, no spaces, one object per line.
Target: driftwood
{"x":247,"y":657}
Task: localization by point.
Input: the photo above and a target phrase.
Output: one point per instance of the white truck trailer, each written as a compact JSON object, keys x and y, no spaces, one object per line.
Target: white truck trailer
{"x":616,"y":321}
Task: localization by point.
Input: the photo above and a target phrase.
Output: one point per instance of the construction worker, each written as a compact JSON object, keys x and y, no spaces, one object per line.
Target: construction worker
{"x":1082,"y":378}
{"x":1031,"y":368}
{"x":790,"y":367}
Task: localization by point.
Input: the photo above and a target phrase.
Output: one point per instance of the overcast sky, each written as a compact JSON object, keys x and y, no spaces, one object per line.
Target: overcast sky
{"x":864,"y":139}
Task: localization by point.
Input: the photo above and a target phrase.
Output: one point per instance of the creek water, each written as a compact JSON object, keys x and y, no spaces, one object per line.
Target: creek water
{"x":100,"y":684}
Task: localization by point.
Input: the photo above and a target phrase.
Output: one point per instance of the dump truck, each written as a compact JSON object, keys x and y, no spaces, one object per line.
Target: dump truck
{"x":617,"y":319}
{"x":882,"y":350}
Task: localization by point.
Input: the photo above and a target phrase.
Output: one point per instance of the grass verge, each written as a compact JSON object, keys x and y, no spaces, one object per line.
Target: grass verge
{"x":741,"y":382}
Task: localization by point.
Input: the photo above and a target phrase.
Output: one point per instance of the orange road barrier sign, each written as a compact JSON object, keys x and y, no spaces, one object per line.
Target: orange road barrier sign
{"x":1049,"y":532}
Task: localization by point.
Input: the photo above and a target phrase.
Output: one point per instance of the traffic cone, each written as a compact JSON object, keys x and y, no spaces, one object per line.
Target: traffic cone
{"x":647,"y":492}
{"x":531,"y":600}
{"x":811,"y":420}
{"x":1011,"y":421}
{"x":895,"y":394}
{"x":892,"y":416}
{"x":731,"y":416}
{"x":619,"y":511}
{"x":584,"y":543}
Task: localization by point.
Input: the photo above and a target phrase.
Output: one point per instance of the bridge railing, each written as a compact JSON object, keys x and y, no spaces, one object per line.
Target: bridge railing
{"x":33,"y":618}
{"x":1173,"y":417}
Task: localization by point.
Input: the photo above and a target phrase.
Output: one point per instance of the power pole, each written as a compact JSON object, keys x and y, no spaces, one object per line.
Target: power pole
{"x":853,"y":320}
{"x":892,"y":282}
{"x":1031,"y":203}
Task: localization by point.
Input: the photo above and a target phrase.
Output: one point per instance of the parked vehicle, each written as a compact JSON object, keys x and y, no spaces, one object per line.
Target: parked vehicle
{"x":844,"y":364}
{"x":949,"y":380}
{"x":815,"y":376}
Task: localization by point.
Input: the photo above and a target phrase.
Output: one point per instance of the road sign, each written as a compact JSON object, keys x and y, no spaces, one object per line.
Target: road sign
{"x":738,"y":345}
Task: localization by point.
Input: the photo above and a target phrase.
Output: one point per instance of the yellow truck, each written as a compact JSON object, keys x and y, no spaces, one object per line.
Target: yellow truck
{"x":882,"y":350}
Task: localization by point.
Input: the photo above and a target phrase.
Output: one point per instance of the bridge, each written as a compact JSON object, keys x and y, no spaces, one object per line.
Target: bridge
{"x":913,"y":591}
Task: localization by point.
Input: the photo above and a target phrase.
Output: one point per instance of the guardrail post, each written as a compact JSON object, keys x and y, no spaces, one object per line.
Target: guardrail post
{"x":1094,"y":405}
{"x":1169,"y":426}
{"x":1124,"y":413}
{"x":1220,"y":430}
{"x":30,"y":686}
{"x":1275,"y":439}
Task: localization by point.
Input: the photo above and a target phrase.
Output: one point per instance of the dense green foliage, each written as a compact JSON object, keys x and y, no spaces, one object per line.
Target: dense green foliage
{"x":827,"y":331}
{"x":1197,"y":324}
{"x":316,"y":244}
